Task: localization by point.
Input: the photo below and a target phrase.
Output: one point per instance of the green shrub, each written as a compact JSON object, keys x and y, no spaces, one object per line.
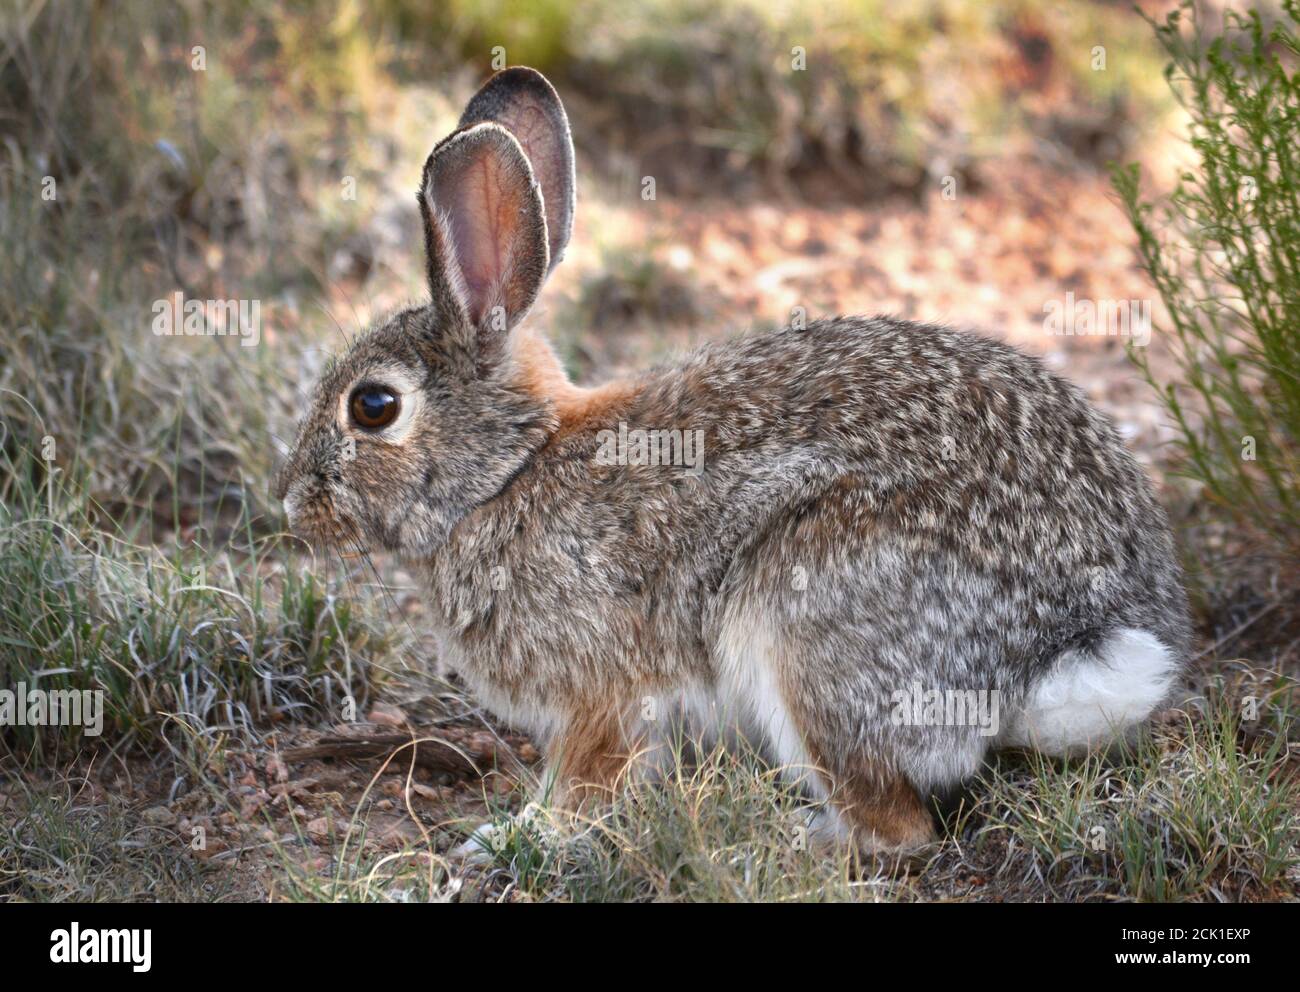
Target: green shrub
{"x":1223,"y":250}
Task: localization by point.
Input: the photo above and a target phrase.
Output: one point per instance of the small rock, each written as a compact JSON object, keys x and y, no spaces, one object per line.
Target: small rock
{"x":212,"y":846}
{"x":316,"y":800}
{"x":387,"y":715}
{"x":298,"y":787}
{"x":253,"y":803}
{"x":319,"y":828}
{"x":159,"y":816}
{"x":276,"y":768}
{"x":393,"y":832}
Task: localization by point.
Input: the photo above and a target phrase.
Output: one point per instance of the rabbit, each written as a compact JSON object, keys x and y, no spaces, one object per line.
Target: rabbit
{"x":881,"y":518}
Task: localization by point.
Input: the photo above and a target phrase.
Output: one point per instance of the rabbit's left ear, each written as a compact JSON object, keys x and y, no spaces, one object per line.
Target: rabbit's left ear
{"x":484,"y":234}
{"x":523,"y":102}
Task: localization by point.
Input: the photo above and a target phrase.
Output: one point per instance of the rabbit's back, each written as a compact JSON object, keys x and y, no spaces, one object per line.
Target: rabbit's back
{"x":958,"y":520}
{"x":948,"y":444}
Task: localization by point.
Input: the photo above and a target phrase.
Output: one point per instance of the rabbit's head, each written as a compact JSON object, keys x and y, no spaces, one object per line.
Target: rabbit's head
{"x":423,"y":418}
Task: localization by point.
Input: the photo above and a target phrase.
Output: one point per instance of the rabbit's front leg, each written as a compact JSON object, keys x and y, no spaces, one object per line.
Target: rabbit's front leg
{"x":585,"y":759}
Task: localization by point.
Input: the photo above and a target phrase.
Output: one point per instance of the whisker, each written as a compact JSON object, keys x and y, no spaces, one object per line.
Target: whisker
{"x":334,"y":320}
{"x":352,"y":306}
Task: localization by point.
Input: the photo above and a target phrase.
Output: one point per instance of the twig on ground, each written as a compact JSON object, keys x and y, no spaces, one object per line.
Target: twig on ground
{"x":459,"y":750}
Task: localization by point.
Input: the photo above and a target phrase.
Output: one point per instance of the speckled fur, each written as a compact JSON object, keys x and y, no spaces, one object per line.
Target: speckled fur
{"x":882,"y":503}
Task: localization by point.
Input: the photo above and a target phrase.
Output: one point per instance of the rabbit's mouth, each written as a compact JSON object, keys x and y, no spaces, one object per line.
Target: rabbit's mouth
{"x":316,"y":520}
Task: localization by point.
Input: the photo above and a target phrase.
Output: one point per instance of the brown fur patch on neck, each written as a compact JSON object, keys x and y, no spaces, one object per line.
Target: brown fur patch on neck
{"x":542,"y":376}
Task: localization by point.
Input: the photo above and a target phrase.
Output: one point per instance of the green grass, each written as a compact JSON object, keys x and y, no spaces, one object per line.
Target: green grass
{"x":1202,"y":810}
{"x":138,"y":540}
{"x":723,"y":829}
{"x":181,"y":640}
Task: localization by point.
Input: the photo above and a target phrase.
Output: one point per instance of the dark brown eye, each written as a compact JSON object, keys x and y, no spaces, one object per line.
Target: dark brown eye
{"x":373,"y":407}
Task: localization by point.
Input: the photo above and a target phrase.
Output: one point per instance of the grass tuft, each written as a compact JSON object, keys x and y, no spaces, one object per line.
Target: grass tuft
{"x":216,"y":641}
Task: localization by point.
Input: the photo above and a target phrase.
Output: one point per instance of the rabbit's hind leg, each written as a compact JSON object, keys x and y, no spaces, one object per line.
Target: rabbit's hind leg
{"x":877,"y":809}
{"x":817,"y":629}
{"x":762,"y":684}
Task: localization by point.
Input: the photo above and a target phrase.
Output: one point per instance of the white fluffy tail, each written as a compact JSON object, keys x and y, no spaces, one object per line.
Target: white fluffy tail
{"x":1092,"y":698}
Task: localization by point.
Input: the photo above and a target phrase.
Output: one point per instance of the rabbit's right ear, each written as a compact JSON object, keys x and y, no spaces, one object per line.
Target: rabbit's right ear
{"x":526,"y":104}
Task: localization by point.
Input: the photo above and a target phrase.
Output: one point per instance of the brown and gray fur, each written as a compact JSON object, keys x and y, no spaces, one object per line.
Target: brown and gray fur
{"x":882,"y":504}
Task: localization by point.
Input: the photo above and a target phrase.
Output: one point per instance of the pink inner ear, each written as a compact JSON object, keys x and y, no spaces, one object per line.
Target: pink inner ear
{"x":485,"y":208}
{"x":488,"y":196}
{"x":523,"y":102}
{"x":535,"y":132}
{"x":488,"y":234}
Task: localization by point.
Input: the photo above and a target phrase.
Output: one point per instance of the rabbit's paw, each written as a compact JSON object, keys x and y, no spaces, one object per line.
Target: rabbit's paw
{"x":533,"y":825}
{"x":482,"y":845}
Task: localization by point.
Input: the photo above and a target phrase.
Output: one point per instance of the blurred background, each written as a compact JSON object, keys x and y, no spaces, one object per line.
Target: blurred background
{"x":739,"y":163}
{"x":943,"y":160}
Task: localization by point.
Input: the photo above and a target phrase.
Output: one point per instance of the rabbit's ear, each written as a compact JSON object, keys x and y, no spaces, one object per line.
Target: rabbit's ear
{"x":524,"y":102}
{"x":484,"y":233}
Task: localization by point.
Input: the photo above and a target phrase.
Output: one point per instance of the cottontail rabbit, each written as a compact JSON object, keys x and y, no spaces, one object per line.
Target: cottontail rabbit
{"x":868,"y":531}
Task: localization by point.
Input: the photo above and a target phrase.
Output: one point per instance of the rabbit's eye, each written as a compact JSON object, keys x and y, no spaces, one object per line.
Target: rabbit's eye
{"x":373,"y":407}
